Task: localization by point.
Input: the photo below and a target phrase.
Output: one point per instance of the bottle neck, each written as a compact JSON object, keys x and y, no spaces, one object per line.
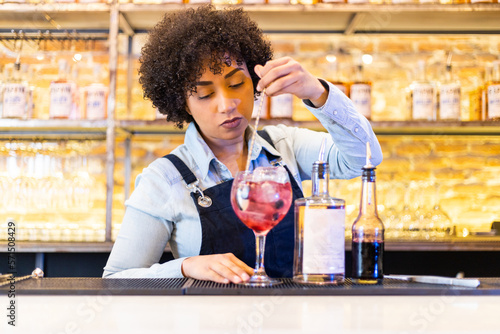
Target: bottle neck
{"x":358,"y":74}
{"x":496,"y":73}
{"x":320,"y":179}
{"x":448,"y":75}
{"x":16,"y":73}
{"x":421,"y":72}
{"x":368,"y":205}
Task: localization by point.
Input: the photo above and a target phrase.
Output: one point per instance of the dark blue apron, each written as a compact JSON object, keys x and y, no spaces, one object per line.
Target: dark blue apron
{"x":223,"y":232}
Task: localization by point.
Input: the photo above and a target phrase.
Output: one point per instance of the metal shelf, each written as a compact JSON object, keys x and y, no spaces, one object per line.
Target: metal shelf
{"x":318,"y":18}
{"x":62,"y":247}
{"x":160,"y":127}
{"x":55,"y":16}
{"x":53,"y":128}
{"x":347,"y":18}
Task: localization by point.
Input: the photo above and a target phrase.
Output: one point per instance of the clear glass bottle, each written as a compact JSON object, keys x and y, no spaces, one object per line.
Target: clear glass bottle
{"x":95,"y":97}
{"x":449,"y":93}
{"x":360,"y":93}
{"x":226,"y":2}
{"x":483,"y":1}
{"x":16,"y":95}
{"x":422,"y":96}
{"x":493,"y":94}
{"x":453,"y":2}
{"x":62,"y":93}
{"x":261,"y":104}
{"x":319,"y":256}
{"x":368,"y":233}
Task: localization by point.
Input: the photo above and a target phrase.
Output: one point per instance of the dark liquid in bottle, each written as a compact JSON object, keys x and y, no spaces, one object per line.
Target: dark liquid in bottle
{"x":367,"y":259}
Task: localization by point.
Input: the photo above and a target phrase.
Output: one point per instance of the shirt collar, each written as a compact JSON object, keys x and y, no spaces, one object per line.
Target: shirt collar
{"x":203,"y":155}
{"x":196,"y":145}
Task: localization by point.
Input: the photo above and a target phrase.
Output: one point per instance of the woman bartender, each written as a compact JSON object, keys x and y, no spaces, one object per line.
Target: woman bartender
{"x":205,"y":67}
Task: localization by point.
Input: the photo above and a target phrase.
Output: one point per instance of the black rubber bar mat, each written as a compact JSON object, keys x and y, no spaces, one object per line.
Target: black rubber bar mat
{"x":185,"y":286}
{"x":98,"y":286}
{"x":388,"y":287}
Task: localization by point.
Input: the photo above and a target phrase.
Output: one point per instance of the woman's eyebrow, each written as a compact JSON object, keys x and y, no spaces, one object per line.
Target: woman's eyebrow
{"x":232,"y":72}
{"x":208,"y":83}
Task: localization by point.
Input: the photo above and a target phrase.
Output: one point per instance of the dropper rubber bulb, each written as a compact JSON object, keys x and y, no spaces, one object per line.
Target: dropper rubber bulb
{"x":321,"y":157}
{"x":368,"y":157}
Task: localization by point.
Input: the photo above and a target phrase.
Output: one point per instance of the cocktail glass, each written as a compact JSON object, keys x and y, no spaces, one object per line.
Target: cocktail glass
{"x":261,"y":199}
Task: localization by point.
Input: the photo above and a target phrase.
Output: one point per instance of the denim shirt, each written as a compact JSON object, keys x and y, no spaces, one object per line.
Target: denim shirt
{"x":161,"y":210}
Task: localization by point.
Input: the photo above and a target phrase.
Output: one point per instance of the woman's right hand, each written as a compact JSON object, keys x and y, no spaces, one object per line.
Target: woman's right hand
{"x":220,"y":268}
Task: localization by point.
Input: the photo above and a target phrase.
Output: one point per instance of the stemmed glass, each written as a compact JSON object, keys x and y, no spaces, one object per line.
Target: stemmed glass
{"x":261,"y":199}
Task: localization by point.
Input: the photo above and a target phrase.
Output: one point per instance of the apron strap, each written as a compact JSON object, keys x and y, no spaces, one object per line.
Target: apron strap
{"x":186,"y":173}
{"x":266,"y":137}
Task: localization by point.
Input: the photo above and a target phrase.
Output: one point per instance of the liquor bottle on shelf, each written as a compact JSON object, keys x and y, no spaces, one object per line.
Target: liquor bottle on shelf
{"x":95,"y":97}
{"x":449,"y":93}
{"x":319,"y":255}
{"x":453,"y":2}
{"x":404,"y":1}
{"x":422,"y":96}
{"x":475,"y":98}
{"x":226,"y":2}
{"x":262,"y":106}
{"x":492,"y":90}
{"x":483,"y":1}
{"x":16,"y":99}
{"x":304,"y":2}
{"x":333,"y":75}
{"x":62,"y":94}
{"x":368,"y":232}
{"x":281,"y":106}
{"x":360,"y":92}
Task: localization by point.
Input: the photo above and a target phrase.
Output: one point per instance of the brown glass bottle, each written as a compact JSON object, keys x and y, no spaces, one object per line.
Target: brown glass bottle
{"x":368,"y":235}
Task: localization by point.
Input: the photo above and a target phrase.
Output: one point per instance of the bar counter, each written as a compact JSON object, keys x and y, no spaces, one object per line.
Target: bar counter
{"x":94,"y":305}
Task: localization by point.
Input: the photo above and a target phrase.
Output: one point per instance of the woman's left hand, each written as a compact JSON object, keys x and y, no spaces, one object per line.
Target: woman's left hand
{"x":286,"y":75}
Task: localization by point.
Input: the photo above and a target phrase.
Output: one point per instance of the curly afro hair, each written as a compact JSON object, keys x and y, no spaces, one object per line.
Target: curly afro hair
{"x":173,"y":58}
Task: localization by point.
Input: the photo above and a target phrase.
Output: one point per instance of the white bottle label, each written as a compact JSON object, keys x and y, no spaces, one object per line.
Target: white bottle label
{"x":324,"y":241}
{"x":281,"y":106}
{"x":96,"y":102}
{"x":361,"y":96}
{"x":449,"y":102}
{"x":14,"y":100}
{"x":61,"y":100}
{"x":494,"y":101}
{"x":423,"y":102}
